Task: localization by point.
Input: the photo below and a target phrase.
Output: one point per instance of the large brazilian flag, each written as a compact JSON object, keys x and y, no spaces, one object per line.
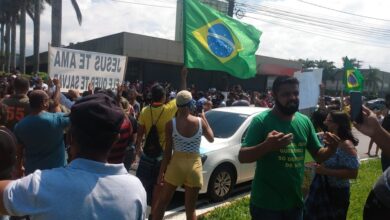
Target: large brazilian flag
{"x":215,"y":41}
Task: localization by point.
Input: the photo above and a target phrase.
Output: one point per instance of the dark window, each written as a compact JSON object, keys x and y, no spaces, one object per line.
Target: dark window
{"x":225,"y":124}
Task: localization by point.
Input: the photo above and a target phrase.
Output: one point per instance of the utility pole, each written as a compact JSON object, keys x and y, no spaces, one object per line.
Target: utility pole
{"x":179,"y":21}
{"x":231,"y":8}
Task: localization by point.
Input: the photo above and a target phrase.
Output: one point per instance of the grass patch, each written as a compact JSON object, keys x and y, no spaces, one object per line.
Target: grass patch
{"x":368,"y":174}
{"x":238,"y":209}
{"x":361,"y":187}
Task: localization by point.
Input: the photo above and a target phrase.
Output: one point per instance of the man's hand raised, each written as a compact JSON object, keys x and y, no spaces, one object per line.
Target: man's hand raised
{"x":331,"y":140}
{"x":370,"y":125}
{"x":276,"y":140}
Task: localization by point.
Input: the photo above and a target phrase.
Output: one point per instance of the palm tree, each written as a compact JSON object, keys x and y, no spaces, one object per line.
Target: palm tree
{"x":2,"y":39}
{"x":37,"y":26}
{"x":22,"y":37}
{"x":13,"y":40}
{"x":372,"y":80}
{"x":355,"y":62}
{"x":5,"y":16}
{"x":328,"y":72}
{"x":56,"y":20}
{"x":38,"y":8}
{"x":7,"y":41}
{"x":307,"y":64}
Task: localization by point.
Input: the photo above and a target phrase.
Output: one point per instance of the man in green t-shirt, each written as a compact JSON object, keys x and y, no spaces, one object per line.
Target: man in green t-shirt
{"x":277,"y":140}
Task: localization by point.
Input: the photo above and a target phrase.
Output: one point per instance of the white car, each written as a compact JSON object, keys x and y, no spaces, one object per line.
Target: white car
{"x":221,"y":168}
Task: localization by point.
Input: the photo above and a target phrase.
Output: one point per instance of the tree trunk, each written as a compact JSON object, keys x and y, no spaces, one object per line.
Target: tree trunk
{"x":7,"y":46}
{"x":13,"y":43}
{"x":36,"y":35}
{"x":22,"y":37}
{"x":56,"y":23}
{"x":2,"y":40}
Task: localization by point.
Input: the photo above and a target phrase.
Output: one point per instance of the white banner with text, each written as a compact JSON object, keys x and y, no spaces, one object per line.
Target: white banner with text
{"x":76,"y":68}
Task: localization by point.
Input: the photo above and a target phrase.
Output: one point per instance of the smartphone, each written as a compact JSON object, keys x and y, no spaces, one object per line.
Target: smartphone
{"x":356,"y":106}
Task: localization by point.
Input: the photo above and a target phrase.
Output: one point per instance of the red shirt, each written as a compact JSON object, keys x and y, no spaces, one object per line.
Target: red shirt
{"x":118,"y":150}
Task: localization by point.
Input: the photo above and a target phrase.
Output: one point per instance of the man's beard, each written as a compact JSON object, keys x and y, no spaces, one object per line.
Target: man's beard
{"x":289,"y":109}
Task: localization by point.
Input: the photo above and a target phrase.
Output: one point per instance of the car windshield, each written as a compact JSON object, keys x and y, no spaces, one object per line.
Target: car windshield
{"x":224,"y":124}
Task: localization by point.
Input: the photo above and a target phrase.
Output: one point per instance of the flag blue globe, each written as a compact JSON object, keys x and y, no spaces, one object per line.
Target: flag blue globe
{"x":352,"y":80}
{"x":220,"y":40}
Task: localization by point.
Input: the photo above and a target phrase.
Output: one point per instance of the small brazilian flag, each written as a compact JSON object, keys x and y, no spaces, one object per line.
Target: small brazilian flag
{"x":215,"y":41}
{"x":353,"y":79}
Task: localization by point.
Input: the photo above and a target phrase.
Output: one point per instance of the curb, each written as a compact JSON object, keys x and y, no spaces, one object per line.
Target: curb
{"x":205,"y":209}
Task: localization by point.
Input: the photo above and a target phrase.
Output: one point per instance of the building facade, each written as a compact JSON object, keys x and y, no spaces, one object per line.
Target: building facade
{"x":155,"y":59}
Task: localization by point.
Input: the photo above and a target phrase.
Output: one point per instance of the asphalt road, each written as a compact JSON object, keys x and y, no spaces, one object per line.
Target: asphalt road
{"x":362,"y":147}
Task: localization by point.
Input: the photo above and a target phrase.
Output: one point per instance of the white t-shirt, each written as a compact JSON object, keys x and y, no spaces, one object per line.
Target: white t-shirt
{"x":85,"y":189}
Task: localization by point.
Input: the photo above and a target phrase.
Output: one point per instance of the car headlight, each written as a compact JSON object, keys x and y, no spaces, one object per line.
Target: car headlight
{"x":203,"y":157}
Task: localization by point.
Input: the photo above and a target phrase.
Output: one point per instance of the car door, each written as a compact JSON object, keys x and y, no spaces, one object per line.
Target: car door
{"x":246,"y":170}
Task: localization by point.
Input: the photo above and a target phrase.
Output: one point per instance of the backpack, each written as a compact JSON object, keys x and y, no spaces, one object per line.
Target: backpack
{"x":152,"y":147}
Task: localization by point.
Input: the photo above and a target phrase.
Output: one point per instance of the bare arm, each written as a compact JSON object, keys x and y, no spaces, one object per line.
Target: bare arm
{"x":140,"y":135}
{"x":382,"y":139}
{"x":331,"y":142}
{"x":56,"y":97}
{"x":90,"y":88}
{"x":274,"y":141}
{"x":207,"y":131}
{"x":3,"y":185}
{"x":373,"y":129}
{"x":251,"y":154}
{"x":323,"y":154}
{"x":167,"y":151}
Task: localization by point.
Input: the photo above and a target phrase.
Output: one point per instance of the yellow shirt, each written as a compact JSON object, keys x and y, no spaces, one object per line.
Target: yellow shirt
{"x":145,"y":118}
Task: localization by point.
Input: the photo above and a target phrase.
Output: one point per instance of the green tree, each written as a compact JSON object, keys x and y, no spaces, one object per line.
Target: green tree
{"x":328,"y":72}
{"x":355,"y":62}
{"x":372,"y":80}
{"x":307,"y":64}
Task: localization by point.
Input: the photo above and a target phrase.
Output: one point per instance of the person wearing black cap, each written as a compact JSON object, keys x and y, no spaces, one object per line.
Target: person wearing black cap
{"x":89,"y":187}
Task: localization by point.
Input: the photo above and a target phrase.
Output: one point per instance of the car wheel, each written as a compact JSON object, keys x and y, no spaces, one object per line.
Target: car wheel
{"x":221,"y":183}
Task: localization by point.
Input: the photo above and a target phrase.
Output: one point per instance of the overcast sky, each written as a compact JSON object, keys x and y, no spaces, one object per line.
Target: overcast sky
{"x":105,"y":17}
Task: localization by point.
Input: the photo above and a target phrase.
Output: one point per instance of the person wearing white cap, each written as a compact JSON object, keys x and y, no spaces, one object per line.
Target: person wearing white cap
{"x":184,"y":166}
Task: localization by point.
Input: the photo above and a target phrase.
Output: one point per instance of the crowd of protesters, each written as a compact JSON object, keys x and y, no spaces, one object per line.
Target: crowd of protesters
{"x":72,"y":151}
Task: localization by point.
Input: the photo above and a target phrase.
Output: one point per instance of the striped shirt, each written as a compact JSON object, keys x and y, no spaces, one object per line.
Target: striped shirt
{"x":118,"y":150}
